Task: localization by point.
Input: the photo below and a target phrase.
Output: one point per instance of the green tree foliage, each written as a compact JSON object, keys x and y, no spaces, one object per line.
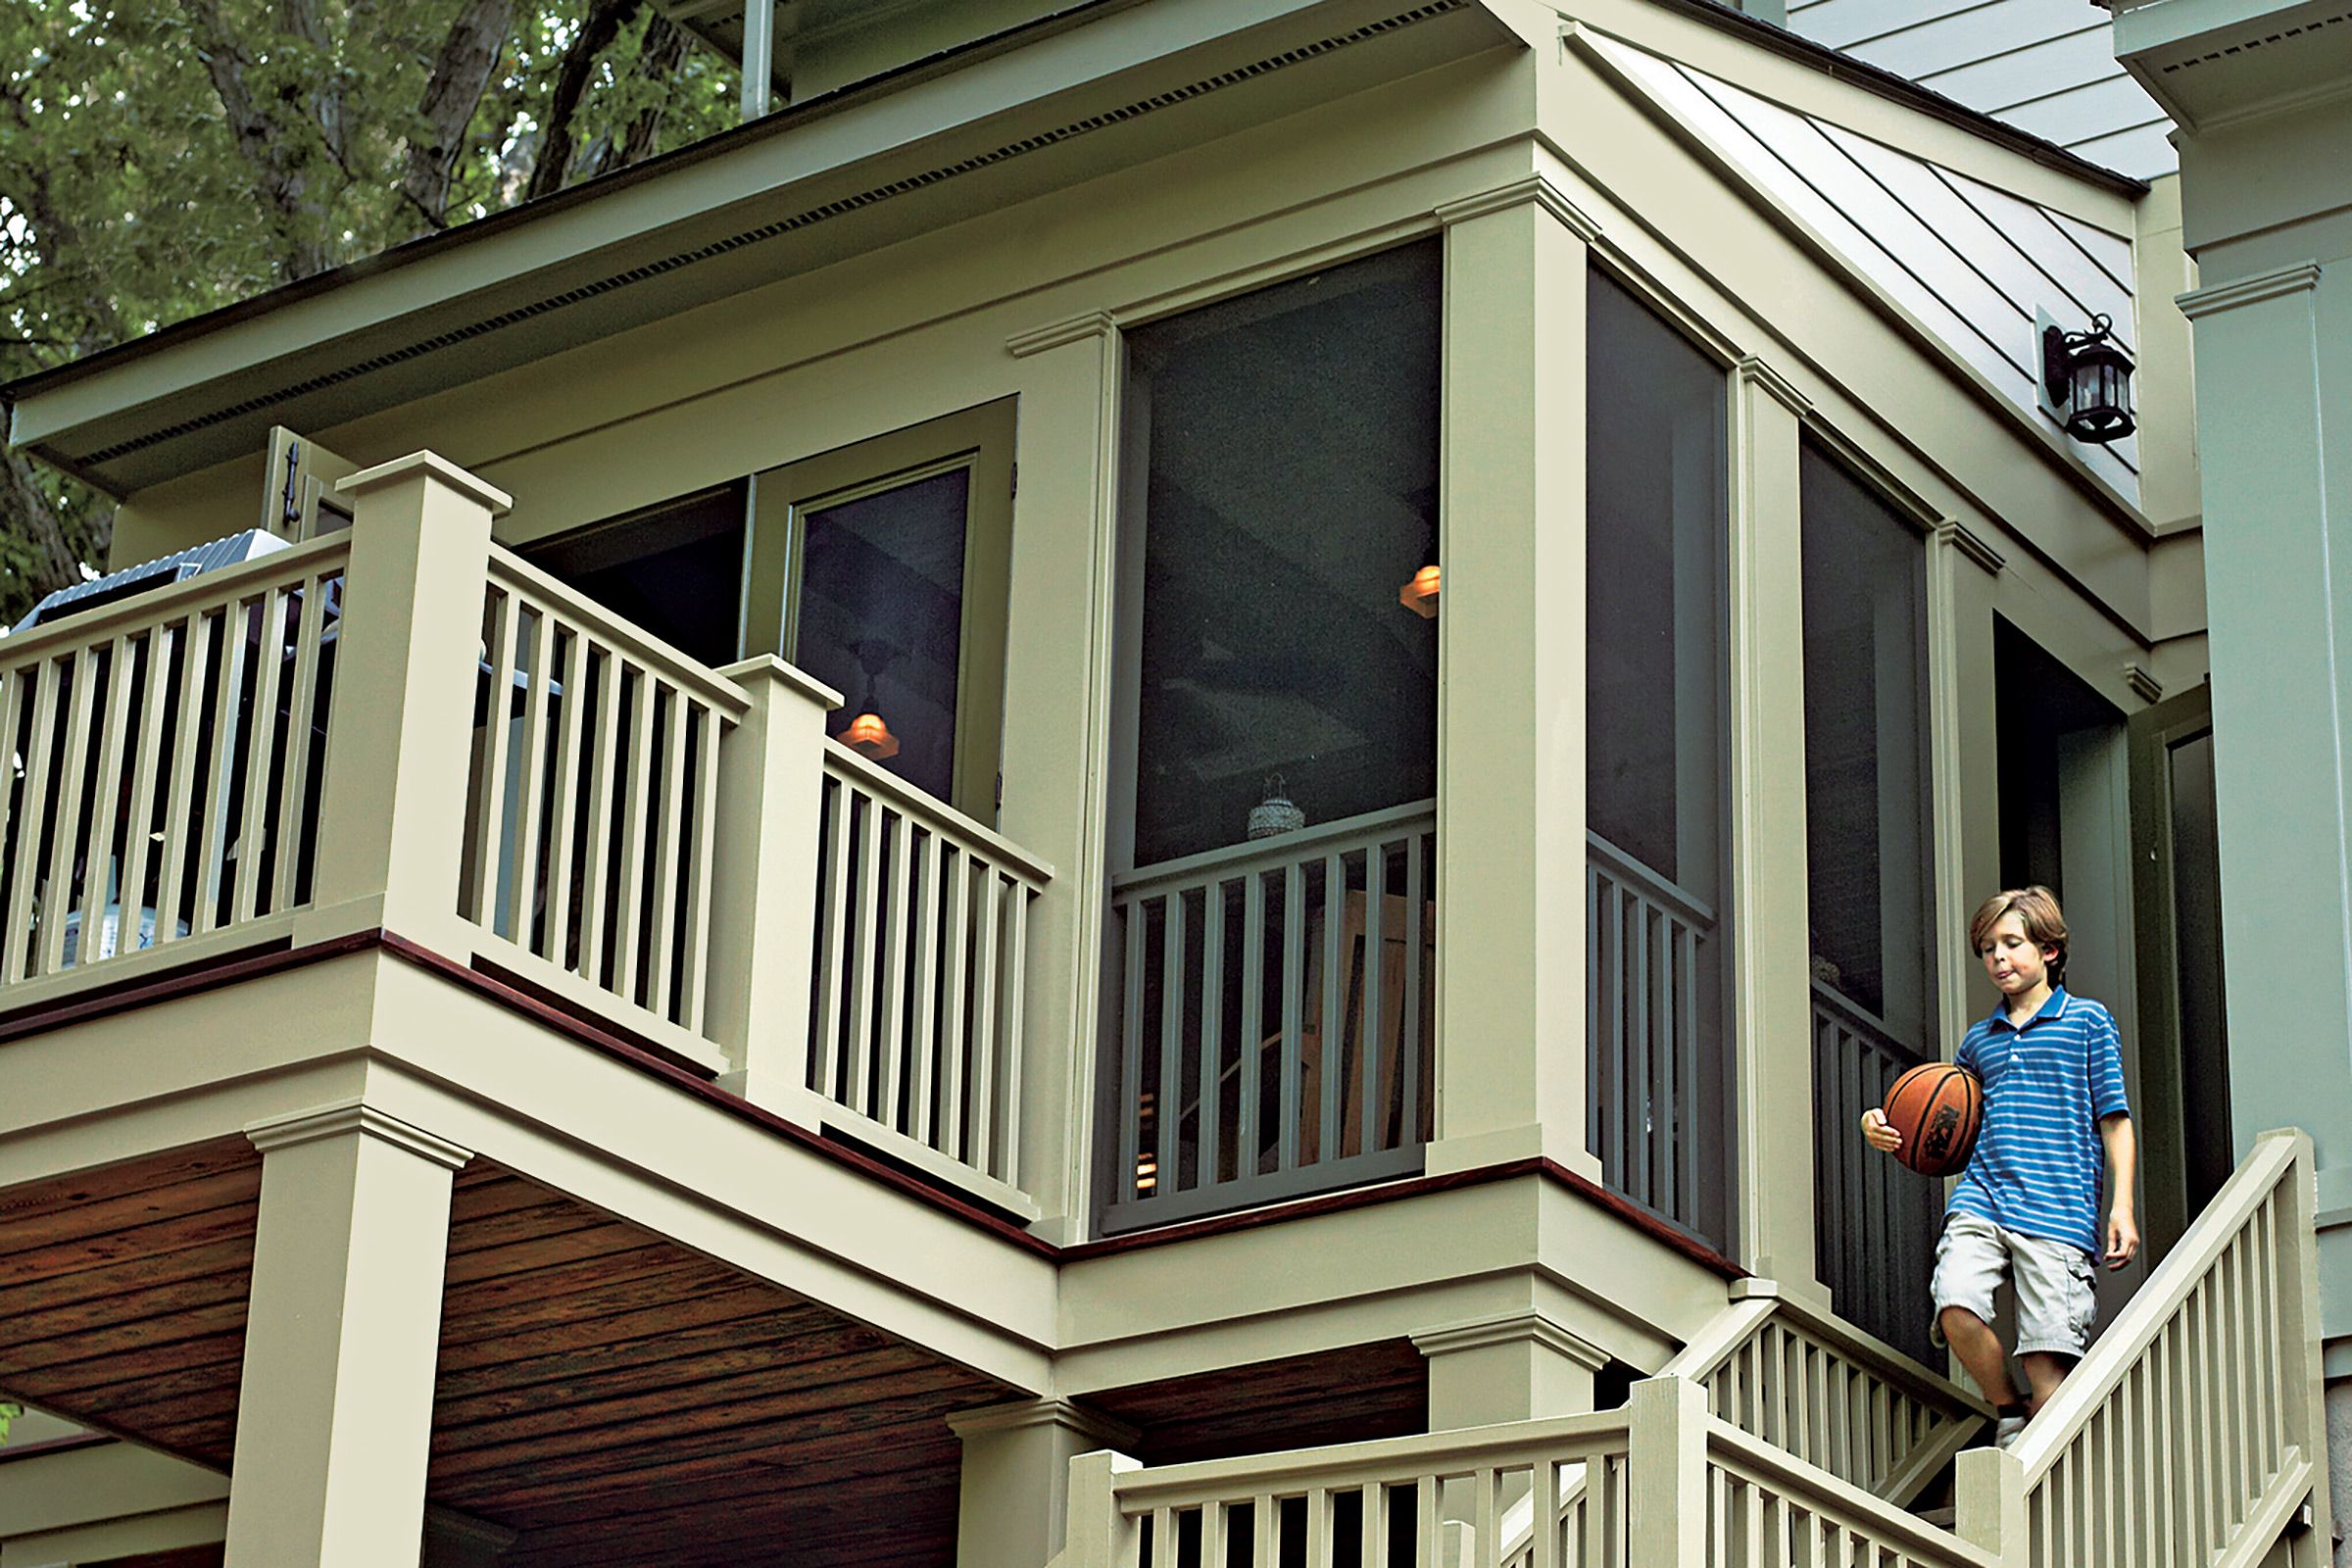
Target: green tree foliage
{"x":162,"y":160}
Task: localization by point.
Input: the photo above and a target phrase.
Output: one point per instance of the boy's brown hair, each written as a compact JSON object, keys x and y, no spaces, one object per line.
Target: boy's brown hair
{"x":2038,"y":906}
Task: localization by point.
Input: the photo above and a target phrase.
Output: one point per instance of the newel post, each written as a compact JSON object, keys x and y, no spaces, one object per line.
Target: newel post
{"x":1666,"y":1471}
{"x":392,"y":811}
{"x":771,"y":780}
{"x":1099,"y":1534}
{"x":1989,"y":1497}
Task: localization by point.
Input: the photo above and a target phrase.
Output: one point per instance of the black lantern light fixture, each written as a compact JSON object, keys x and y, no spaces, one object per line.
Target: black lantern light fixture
{"x":2088,"y":377}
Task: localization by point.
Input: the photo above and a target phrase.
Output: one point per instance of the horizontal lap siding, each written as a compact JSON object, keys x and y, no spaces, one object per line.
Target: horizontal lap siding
{"x":2043,"y":66}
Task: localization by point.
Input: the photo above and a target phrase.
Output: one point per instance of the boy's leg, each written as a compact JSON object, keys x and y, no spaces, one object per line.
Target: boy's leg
{"x":1970,"y":1261}
{"x":2057,"y":1306}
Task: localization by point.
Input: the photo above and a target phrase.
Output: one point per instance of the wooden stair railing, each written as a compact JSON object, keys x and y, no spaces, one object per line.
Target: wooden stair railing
{"x":1815,"y":1387}
{"x":2192,"y":1436}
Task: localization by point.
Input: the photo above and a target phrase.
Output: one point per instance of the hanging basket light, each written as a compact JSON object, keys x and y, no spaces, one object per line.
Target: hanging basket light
{"x":2089,"y":376}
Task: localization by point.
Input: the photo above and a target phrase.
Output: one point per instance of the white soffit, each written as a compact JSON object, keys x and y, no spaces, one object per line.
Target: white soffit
{"x":1970,"y":263}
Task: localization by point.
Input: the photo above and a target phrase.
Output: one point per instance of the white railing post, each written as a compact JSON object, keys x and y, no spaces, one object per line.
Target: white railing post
{"x":392,"y":815}
{"x":1666,"y":1471}
{"x":763,"y":881}
{"x":2300,"y":1349}
{"x":1099,"y":1534}
{"x":1988,"y":1496}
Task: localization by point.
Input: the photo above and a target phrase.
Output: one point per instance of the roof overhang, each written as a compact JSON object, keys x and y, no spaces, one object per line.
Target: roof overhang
{"x":1097,"y":85}
{"x":2211,"y":62}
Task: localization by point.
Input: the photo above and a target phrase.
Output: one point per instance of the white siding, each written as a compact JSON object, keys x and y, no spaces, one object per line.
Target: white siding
{"x":2047,"y":67}
{"x":1970,"y":263}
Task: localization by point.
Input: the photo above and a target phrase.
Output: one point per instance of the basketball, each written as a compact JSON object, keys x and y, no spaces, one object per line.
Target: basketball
{"x":1937,"y":1108}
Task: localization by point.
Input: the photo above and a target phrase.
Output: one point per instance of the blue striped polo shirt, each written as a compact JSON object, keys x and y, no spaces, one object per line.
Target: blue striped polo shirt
{"x":2039,"y":1164}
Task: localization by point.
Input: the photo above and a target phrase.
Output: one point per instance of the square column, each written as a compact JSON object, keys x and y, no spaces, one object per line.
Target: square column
{"x":1016,"y":1478}
{"x":1511,"y":698}
{"x":1521,"y":1366}
{"x":342,"y":1332}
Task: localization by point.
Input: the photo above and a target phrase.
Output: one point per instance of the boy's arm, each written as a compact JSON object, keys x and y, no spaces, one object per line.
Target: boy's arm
{"x":2123,"y":1169}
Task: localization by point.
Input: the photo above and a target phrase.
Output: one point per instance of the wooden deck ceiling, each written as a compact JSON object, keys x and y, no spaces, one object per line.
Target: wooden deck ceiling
{"x":610,"y":1395}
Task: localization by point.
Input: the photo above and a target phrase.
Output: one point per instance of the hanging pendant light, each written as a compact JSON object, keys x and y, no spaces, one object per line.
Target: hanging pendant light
{"x":871,"y":738}
{"x":1420,"y":592}
{"x":2089,"y":376}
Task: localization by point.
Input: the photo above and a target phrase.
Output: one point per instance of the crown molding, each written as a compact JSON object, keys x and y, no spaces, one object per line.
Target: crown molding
{"x":1535,"y":188}
{"x":2200,"y":303}
{"x":1511,"y":1328}
{"x":1076,"y":329}
{"x":1052,"y":1412}
{"x":2143,"y":685}
{"x":1958,"y":535}
{"x":273,"y":1133}
{"x":1753,"y":371}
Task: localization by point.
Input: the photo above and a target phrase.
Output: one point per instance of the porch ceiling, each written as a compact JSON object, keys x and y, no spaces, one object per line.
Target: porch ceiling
{"x":608,"y":1394}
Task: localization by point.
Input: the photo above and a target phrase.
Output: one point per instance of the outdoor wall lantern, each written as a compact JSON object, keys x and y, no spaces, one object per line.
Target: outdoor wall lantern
{"x":2089,"y":377}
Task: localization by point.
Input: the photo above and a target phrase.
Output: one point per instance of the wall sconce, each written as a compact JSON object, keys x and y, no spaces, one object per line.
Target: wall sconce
{"x":2087,"y":380}
{"x":1420,"y":593}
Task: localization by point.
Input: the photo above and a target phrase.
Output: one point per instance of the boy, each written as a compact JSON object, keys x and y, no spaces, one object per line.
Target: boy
{"x":2027,"y":1207}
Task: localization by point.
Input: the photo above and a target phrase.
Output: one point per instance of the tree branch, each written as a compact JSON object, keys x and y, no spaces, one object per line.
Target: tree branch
{"x":605,"y":19}
{"x":451,"y":93}
{"x":276,"y":162}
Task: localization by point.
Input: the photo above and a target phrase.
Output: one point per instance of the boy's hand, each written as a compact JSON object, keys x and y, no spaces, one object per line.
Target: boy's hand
{"x":2123,"y":1237}
{"x":1878,"y":1135}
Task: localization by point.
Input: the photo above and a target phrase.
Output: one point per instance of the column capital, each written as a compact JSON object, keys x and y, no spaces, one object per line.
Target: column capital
{"x":1537,"y":189}
{"x":2215,"y":298}
{"x":348,"y":1116}
{"x":1511,"y":1328}
{"x":1051,"y":1411}
{"x":428,"y":465}
{"x":1753,"y":371}
{"x":1954,"y":534}
{"x":1054,"y":334}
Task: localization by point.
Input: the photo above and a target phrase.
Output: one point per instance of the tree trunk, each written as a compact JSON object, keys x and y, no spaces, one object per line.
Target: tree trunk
{"x":605,"y":18}
{"x":277,"y":164}
{"x":451,"y":93}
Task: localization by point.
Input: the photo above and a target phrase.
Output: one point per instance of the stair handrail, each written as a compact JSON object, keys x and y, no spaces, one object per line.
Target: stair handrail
{"x":2005,"y":1498}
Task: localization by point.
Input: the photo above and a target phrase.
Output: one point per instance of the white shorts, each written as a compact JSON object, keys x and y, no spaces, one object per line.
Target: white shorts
{"x":2057,"y":1298}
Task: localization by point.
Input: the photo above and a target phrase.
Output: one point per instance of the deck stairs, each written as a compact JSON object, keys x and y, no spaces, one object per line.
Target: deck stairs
{"x":2191,"y":1436}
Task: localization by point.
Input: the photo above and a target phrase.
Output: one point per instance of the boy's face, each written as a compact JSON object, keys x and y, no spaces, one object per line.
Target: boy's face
{"x":2011,"y":959}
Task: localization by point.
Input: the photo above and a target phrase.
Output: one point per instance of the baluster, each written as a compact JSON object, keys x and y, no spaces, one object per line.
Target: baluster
{"x":1666,"y":1119}
{"x":187,"y":733}
{"x":696,"y":966}
{"x":1253,"y":1044}
{"x":955,"y":1059}
{"x":668,"y":845}
{"x":1409,"y":1040}
{"x":19,"y":689}
{"x":490,"y":804}
{"x":605,"y":764}
{"x":1318,"y":1527}
{"x":98,"y":858}
{"x":832,"y":972}
{"x":555,"y":942}
{"x":1372,"y":1508}
{"x":1619,"y":1124}
{"x":1374,"y":984}
{"x":294,"y":800}
{"x":986,"y":1098}
{"x":1294,"y":970}
{"x":1172,"y":990}
{"x":1017,"y":974}
{"x":1263,"y":1529}
{"x":925,"y":1046}
{"x":899,"y":851}
{"x":1593,"y":1046}
{"x":867,"y":829}
{"x":269,"y":655}
{"x":513,"y":915}
{"x":146,"y":769}
{"x":58,"y":900}
{"x":1131,"y":1058}
{"x":1425,"y":1524}
{"x":1212,"y":1038}
{"x":1163,"y":1537}
{"x":636,"y":827}
{"x":1543,"y":1515}
{"x":1212,"y":1536}
{"x":1686,"y":1145}
{"x":1331,"y":1035}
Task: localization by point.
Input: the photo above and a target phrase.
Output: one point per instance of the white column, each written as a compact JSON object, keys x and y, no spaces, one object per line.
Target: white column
{"x":1772,"y":999}
{"x":335,"y":1409}
{"x":1516,"y":1367}
{"x":771,"y":785}
{"x":392,"y":809}
{"x":1016,"y":1478}
{"x":1511,"y":698}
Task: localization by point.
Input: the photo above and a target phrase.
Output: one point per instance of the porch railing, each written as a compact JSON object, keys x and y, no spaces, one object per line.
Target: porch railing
{"x":1658,"y":1484}
{"x":167,"y":754}
{"x":1653,"y":1040}
{"x":590,"y":825}
{"x":1876,"y":1222}
{"x":2193,"y":1434}
{"x":921,"y":956}
{"x":1277,"y":1006}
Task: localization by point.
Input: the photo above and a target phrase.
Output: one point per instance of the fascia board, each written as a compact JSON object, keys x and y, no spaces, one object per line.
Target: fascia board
{"x":997,"y":98}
